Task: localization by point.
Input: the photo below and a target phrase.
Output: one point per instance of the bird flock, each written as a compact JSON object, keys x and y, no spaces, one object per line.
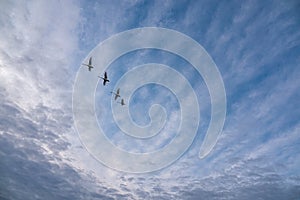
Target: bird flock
{"x":105,"y":80}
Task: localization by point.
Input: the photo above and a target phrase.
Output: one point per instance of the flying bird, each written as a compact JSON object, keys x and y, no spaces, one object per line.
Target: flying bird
{"x":122,"y":102}
{"x":117,"y":94}
{"x":105,"y":79}
{"x":90,"y":66}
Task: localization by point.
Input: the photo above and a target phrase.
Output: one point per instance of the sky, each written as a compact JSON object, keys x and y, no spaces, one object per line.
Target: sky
{"x":255,"y":46}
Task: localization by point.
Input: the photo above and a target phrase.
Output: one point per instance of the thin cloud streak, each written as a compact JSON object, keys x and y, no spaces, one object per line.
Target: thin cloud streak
{"x":255,"y":48}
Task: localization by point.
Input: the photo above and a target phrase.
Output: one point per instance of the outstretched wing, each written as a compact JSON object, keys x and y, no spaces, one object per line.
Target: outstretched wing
{"x":105,"y":75}
{"x":90,"y":61}
{"x":118,"y":91}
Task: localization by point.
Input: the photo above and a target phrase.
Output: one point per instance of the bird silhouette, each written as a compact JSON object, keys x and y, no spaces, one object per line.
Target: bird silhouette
{"x":117,"y":94}
{"x":122,"y":102}
{"x":105,"y":79}
{"x":89,"y":65}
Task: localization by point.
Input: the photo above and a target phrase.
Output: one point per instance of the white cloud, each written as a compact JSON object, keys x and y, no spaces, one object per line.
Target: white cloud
{"x":37,"y":42}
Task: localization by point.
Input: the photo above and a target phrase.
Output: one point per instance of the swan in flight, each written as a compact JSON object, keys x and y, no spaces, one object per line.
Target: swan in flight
{"x":117,"y":94}
{"x":90,"y":66}
{"x":122,"y":102}
{"x":105,"y":79}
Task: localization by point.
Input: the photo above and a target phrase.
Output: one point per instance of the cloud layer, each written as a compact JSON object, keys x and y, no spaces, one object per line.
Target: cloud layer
{"x":255,"y":46}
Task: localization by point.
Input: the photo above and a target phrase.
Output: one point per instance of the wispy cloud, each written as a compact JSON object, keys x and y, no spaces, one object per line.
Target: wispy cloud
{"x":255,"y":46}
{"x":37,"y":46}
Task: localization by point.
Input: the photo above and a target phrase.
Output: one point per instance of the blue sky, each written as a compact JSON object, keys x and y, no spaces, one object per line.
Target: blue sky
{"x":254,"y":44}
